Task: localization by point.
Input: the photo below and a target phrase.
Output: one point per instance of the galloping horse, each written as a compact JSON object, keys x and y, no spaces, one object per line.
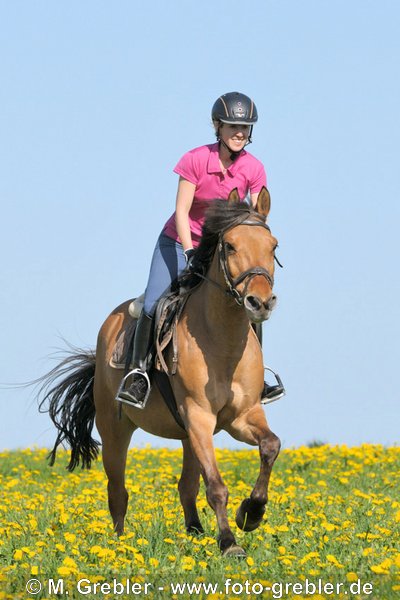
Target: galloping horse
{"x":217,"y":385}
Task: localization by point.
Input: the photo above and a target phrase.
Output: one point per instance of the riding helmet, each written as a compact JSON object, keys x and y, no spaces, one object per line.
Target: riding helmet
{"x":234,"y":107}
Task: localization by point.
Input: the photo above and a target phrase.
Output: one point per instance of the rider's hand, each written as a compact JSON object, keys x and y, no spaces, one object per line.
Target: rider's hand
{"x":189,"y":256}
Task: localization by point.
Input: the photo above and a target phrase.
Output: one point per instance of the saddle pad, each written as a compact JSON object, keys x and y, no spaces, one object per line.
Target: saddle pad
{"x":120,"y":351}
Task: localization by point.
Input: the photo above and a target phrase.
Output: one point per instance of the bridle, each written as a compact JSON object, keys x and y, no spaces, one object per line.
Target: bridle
{"x":249,"y":274}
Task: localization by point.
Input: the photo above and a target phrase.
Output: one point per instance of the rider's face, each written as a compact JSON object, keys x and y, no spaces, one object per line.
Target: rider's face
{"x":234,"y":136}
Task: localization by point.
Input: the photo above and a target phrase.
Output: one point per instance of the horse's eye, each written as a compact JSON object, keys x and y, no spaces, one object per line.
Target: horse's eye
{"x":229,"y":248}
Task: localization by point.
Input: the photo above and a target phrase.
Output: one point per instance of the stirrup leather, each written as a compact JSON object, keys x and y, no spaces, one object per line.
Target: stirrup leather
{"x":279,"y":384}
{"x":131,"y":400}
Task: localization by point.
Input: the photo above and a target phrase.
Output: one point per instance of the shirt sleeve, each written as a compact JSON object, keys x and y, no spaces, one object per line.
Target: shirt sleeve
{"x":186,"y":168}
{"x":258,"y":179}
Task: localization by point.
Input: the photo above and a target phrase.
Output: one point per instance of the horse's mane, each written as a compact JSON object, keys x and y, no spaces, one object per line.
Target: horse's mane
{"x":220,"y":216}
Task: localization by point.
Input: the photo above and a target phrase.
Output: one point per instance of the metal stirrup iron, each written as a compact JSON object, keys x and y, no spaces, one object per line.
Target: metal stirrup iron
{"x":280,"y":394}
{"x":129,"y":400}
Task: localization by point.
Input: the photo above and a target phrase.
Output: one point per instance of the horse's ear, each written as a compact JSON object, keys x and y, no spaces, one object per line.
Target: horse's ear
{"x":263,"y":202}
{"x":234,"y":195}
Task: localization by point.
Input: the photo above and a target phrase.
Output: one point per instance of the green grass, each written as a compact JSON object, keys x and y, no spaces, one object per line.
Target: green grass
{"x":333,"y":515}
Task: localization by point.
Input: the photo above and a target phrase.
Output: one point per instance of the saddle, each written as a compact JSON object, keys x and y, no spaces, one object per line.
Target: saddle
{"x":168,"y":311}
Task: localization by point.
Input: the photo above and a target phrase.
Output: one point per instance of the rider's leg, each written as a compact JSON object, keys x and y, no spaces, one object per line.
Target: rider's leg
{"x":143,"y":339}
{"x":270,"y":393}
{"x":167,"y":263}
{"x":137,"y":392}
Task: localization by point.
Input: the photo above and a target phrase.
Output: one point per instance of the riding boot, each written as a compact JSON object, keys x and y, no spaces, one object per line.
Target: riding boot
{"x":139,"y":389}
{"x":270,"y":393}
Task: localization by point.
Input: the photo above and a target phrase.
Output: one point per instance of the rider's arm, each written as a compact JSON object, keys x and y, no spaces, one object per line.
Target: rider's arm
{"x":254,"y":199}
{"x":257,"y":180}
{"x":184,"y":201}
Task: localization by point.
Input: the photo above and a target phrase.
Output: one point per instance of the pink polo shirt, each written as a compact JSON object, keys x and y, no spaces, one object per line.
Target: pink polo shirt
{"x":201,"y":167}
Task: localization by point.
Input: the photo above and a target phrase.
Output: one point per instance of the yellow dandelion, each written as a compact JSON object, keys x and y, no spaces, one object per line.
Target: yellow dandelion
{"x":69,"y":562}
{"x":382,"y":568}
{"x":142,"y":542}
{"x":64,"y":518}
{"x":333,"y":560}
{"x":60,"y":547}
{"x":139,"y":558}
{"x":328,"y":526}
{"x":187,"y":563}
{"x":107,"y":553}
{"x":154,"y":562}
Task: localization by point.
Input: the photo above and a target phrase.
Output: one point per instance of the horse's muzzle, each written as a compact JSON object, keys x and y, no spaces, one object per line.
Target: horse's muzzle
{"x":258,"y":310}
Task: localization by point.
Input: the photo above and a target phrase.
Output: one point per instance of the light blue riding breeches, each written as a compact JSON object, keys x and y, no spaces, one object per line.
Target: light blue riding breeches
{"x":167,"y":263}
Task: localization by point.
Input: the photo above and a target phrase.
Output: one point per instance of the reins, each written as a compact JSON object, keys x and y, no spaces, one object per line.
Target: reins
{"x":249,"y":274}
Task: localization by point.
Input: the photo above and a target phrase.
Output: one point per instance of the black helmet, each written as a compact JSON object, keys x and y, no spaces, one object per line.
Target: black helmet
{"x":234,"y":107}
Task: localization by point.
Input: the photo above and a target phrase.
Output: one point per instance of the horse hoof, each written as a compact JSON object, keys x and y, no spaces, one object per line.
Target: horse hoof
{"x":235,"y":552}
{"x":195,"y":529}
{"x":246,"y":519}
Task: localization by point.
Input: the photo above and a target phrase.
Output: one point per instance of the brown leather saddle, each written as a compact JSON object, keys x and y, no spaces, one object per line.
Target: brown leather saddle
{"x":168,"y":312}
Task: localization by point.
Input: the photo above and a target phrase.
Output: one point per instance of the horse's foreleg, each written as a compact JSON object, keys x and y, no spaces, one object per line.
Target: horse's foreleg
{"x":188,"y":486}
{"x":115,"y":442}
{"x":200,"y":427}
{"x":253,"y":429}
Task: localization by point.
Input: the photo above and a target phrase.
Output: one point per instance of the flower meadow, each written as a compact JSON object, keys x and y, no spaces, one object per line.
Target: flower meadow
{"x":333,"y":516}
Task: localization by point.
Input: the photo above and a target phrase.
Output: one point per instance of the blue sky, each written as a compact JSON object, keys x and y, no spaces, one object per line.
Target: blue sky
{"x":98,"y":103}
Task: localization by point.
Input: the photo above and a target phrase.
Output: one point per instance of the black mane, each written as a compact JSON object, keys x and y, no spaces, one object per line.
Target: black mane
{"x":219,"y":217}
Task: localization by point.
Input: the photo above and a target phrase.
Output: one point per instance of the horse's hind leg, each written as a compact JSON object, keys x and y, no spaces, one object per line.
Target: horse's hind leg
{"x":189,"y":485}
{"x":116,"y":435}
{"x":253,"y":429}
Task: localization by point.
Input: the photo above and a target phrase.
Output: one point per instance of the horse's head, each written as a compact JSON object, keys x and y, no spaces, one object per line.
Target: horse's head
{"x":247,"y":253}
{"x":237,"y":241}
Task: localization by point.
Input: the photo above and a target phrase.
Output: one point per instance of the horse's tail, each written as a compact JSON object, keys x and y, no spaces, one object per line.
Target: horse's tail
{"x":67,"y":392}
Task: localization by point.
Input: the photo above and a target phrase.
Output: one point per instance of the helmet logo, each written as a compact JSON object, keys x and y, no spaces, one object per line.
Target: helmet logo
{"x":238,"y":110}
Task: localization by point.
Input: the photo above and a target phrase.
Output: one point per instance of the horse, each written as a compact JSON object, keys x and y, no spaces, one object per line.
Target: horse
{"x":217,"y":385}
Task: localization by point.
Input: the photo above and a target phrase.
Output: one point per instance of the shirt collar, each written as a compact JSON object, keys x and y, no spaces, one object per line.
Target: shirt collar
{"x":213,"y":161}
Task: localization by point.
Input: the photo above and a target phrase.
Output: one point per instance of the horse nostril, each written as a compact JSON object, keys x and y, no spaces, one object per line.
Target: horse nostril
{"x":271,"y":302}
{"x":253,"y":303}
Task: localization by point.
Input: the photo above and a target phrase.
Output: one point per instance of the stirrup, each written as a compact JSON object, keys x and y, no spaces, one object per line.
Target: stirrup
{"x":279,"y":385}
{"x":125,"y":397}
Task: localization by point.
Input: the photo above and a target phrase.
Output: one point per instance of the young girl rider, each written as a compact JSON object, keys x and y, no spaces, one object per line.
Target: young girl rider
{"x":205,"y":174}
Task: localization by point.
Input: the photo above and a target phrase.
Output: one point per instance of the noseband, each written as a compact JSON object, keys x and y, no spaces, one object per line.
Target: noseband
{"x":249,"y":274}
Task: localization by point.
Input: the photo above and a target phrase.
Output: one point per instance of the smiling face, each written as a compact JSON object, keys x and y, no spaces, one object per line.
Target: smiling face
{"x":235,"y":136}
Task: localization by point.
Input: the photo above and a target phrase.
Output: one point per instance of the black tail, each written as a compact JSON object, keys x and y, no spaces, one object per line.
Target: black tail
{"x":70,"y":405}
